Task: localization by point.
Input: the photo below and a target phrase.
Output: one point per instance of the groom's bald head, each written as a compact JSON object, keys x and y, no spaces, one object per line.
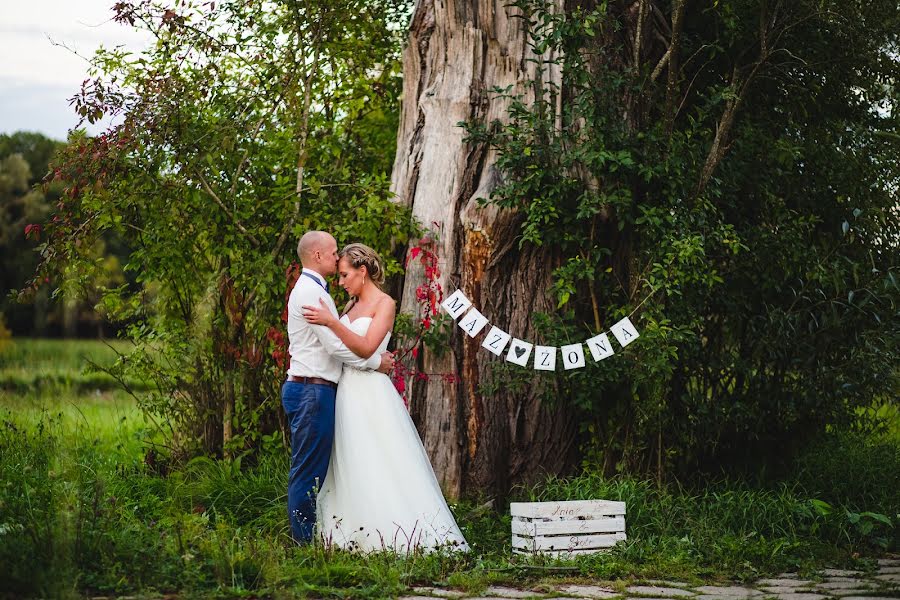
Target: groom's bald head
{"x":317,"y":250}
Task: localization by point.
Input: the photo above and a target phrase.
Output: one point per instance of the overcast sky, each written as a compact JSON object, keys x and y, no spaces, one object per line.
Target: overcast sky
{"x":36,"y":77}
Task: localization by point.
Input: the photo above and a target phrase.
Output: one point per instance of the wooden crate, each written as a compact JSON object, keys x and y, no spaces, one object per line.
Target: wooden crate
{"x":566,"y":528}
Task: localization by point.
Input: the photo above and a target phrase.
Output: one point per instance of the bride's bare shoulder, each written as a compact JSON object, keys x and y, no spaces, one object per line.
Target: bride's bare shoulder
{"x":386,"y":302}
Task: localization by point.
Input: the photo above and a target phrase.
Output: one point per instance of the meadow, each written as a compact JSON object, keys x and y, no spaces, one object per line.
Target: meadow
{"x":88,"y":507}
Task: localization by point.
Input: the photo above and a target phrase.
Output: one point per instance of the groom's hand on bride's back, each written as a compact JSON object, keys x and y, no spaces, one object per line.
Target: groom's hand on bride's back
{"x":387,"y":363}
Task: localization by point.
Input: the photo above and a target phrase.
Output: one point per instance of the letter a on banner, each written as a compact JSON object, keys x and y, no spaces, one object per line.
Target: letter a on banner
{"x":496,"y":340}
{"x":519,"y":351}
{"x":624,"y":332}
{"x":473,"y":322}
{"x":545,"y":358}
{"x":573,"y":356}
{"x":456,"y":304}
{"x":600,"y":347}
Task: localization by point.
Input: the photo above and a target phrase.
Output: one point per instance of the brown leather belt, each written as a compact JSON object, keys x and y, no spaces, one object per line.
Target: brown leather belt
{"x":316,"y":380}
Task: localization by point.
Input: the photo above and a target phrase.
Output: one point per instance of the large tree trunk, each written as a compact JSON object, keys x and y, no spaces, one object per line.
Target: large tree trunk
{"x":458,"y":52}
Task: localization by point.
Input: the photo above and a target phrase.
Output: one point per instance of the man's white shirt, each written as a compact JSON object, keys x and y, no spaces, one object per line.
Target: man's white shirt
{"x":316,"y":351}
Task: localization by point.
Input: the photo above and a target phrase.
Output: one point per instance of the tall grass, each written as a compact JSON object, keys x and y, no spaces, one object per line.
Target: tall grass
{"x":48,"y":366}
{"x":724,"y":528}
{"x":86,"y":509}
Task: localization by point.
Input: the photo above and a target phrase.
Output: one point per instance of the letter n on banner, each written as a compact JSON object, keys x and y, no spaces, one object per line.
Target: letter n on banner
{"x":456,"y":304}
{"x":600,"y":347}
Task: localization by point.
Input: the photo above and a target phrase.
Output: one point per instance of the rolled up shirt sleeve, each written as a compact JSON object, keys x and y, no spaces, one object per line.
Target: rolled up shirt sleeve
{"x":333,"y":344}
{"x":336,"y":348}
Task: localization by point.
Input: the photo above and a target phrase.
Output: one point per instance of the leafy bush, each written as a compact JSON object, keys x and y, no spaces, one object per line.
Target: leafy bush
{"x":741,"y":211}
{"x":854,"y":469}
{"x":244,"y":126}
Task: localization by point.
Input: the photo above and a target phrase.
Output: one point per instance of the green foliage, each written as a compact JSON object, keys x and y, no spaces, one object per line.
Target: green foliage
{"x":855,"y":469}
{"x":244,"y":125}
{"x":79,"y":513}
{"x":728,"y":525}
{"x":5,"y":334}
{"x":25,"y":203}
{"x":36,"y":150}
{"x":88,"y":507}
{"x":23,"y":160}
{"x":741,"y":205}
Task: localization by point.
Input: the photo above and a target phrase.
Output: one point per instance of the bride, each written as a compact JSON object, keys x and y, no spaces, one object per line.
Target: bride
{"x":380,"y":492}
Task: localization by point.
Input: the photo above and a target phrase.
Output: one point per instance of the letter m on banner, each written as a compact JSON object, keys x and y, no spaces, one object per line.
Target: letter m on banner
{"x":456,"y":304}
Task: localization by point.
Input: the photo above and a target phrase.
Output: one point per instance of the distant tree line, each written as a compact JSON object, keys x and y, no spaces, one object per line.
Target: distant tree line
{"x":25,"y":203}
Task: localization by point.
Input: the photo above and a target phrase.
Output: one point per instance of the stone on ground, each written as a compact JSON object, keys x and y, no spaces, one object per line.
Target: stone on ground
{"x":588,"y":591}
{"x":785,"y":583}
{"x":853,"y":584}
{"x":799,"y":596}
{"x":653,"y":590}
{"x":440,"y":592}
{"x":730,"y":591}
{"x":783,"y":589}
{"x":507,"y":592}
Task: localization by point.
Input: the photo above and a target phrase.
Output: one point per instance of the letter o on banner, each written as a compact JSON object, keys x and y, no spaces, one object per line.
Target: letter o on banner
{"x":573,"y":356}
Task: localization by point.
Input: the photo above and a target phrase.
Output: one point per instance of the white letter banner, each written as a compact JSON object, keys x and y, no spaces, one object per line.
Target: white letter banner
{"x":600,"y":347}
{"x":624,"y":332}
{"x":496,"y":340}
{"x":456,"y":304}
{"x":545,"y":358}
{"x":473,"y":322}
{"x":573,"y":356}
{"x":519,"y":351}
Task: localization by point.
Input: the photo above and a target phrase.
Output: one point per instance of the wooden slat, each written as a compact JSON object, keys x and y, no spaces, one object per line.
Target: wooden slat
{"x":566,"y":553}
{"x":565,"y":542}
{"x":532,"y":528}
{"x":523,"y":543}
{"x":524,"y":528}
{"x":571,"y":509}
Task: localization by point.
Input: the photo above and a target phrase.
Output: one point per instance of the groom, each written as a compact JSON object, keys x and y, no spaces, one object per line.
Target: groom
{"x":308,"y":394}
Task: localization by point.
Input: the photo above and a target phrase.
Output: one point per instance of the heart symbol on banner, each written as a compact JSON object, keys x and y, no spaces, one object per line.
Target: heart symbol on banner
{"x":519,"y":351}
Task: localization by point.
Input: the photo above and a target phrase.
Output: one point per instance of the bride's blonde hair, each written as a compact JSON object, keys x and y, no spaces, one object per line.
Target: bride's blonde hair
{"x":359,"y":255}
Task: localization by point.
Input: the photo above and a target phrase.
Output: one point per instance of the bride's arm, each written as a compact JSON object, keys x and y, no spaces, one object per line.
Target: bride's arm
{"x":363,"y":346}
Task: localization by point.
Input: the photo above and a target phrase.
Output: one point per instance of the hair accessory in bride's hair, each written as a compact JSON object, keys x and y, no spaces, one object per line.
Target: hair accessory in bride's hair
{"x":361,"y":255}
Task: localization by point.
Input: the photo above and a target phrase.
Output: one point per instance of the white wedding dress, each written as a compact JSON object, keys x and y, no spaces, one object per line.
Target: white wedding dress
{"x":380,"y":492}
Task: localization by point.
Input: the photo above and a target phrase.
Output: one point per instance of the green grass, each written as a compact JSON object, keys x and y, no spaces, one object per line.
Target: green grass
{"x":48,"y":366}
{"x":83,"y":512}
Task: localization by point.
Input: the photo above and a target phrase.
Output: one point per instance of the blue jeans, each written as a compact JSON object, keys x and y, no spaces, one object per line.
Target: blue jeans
{"x":310,"y":411}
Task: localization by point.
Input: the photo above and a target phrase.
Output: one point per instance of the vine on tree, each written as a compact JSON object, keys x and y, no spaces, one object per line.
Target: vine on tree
{"x":427,"y":327}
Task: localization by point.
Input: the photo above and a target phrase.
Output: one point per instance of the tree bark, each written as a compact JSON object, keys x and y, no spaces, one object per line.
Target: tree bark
{"x":478,"y":443}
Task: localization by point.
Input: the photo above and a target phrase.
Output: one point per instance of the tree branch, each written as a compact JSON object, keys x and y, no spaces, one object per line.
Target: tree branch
{"x":674,"y":48}
{"x":639,"y":34}
{"x":212,"y":194}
